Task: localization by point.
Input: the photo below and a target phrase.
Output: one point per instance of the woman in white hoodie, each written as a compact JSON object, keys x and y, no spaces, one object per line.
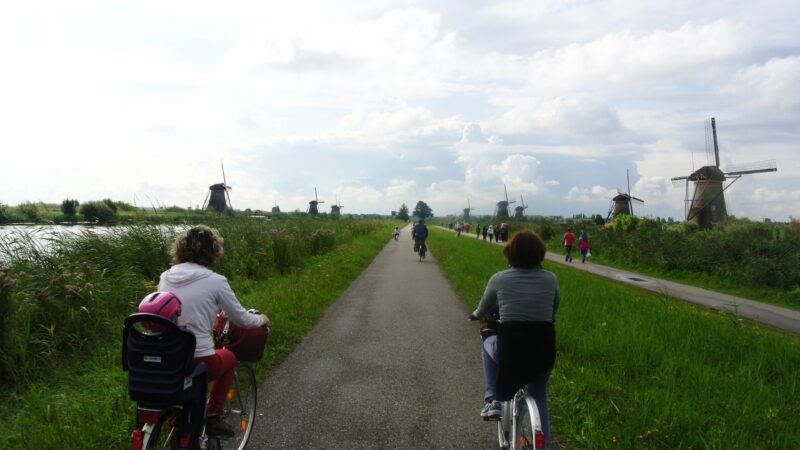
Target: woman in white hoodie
{"x":203,"y":293}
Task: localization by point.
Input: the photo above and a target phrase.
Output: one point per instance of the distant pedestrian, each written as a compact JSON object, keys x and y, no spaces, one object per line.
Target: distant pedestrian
{"x":458,"y":229}
{"x":569,"y":239}
{"x":478,"y":231}
{"x":485,"y":231}
{"x":583,"y":245}
{"x":491,"y":232}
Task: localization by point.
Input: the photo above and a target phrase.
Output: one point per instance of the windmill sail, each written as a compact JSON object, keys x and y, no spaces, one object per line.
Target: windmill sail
{"x":756,"y":167}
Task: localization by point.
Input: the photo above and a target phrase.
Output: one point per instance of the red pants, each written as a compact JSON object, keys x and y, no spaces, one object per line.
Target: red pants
{"x":221,"y":368}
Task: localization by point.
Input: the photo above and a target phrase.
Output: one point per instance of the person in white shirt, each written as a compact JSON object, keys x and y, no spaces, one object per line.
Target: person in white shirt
{"x":203,"y":293}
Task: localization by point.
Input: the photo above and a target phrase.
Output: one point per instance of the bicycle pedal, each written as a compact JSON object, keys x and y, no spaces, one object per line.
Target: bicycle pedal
{"x":491,"y":419}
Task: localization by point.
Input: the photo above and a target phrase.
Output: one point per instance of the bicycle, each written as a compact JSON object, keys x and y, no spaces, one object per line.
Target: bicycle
{"x":169,"y":402}
{"x":519,"y":426}
{"x":422,"y":250}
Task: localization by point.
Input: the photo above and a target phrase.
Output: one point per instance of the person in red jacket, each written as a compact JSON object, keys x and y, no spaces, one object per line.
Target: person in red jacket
{"x":569,"y":239}
{"x":583,"y":245}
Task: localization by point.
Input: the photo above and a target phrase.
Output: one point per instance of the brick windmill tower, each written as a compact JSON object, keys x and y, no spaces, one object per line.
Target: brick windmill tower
{"x":218,"y":197}
{"x":707,"y":204}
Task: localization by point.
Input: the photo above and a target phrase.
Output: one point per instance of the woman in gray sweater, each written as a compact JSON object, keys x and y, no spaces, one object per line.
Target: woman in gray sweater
{"x":527,"y":298}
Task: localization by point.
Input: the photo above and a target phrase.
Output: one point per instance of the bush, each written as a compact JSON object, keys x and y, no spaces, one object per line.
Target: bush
{"x":111,"y":204}
{"x":321,"y":241}
{"x":98,"y":212}
{"x":29,"y":211}
{"x":625,"y":222}
{"x":69,"y":207}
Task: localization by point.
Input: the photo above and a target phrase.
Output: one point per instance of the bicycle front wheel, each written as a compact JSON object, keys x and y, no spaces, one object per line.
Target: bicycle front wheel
{"x":529,"y":434}
{"x":240,"y":406}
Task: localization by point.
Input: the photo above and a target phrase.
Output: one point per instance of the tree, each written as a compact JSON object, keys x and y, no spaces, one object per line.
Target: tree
{"x":422,"y":210}
{"x":403,"y":213}
{"x":69,"y":207}
{"x":5,"y":214}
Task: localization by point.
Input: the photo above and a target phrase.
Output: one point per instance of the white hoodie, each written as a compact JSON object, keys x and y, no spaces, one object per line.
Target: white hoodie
{"x":203,"y":293}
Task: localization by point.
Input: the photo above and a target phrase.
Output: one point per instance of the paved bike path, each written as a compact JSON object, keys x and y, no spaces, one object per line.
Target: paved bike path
{"x":393,"y":363}
{"x":776,"y":316}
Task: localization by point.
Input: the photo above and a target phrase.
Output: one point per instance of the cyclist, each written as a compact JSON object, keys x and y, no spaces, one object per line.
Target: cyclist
{"x":396,"y":233}
{"x":527,"y":297}
{"x":203,"y":293}
{"x":420,"y":234}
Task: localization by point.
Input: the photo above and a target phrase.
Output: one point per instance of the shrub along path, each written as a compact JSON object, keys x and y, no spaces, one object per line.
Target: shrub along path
{"x":782,"y":318}
{"x":392,"y":364}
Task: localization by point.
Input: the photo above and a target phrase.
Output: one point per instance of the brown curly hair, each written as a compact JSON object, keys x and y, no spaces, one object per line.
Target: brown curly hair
{"x":526,"y":250}
{"x":200,"y":245}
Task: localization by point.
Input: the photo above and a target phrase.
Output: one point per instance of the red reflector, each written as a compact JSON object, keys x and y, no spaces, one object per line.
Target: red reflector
{"x":136,"y":439}
{"x":186,"y":438}
{"x":147,"y":417}
{"x":539,"y":438}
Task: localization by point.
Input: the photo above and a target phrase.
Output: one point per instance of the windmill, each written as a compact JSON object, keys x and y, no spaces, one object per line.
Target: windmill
{"x":467,"y":210}
{"x":623,"y":202}
{"x":707,"y":205}
{"x":501,"y":212}
{"x":336,"y":208}
{"x":276,"y":208}
{"x":218,"y":197}
{"x":312,"y":205}
{"x":519,"y":210}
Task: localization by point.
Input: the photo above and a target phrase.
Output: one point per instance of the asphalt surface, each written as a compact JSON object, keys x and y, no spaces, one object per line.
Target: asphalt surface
{"x":775,"y":316}
{"x":393,"y":364}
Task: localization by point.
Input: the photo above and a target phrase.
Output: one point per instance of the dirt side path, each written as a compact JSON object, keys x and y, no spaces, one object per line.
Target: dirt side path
{"x":392,"y":364}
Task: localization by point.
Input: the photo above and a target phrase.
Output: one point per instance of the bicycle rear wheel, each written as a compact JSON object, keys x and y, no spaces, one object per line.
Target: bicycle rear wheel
{"x":240,"y":406}
{"x":161,"y":436}
{"x":529,"y":434}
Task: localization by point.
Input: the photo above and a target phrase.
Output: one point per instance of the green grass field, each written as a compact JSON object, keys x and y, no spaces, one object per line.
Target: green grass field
{"x":636,"y":369}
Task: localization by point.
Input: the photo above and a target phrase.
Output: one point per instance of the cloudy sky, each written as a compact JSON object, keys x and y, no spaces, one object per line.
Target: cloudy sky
{"x":383,"y":102}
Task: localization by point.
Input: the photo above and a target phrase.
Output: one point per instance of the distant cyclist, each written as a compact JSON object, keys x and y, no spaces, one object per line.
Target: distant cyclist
{"x":527,"y":297}
{"x":419,"y":233}
{"x":203,"y":293}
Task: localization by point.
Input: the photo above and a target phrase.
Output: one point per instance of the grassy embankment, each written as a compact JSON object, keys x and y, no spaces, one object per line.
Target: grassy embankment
{"x":754,"y":260}
{"x":63,"y":386}
{"x":638,"y":369}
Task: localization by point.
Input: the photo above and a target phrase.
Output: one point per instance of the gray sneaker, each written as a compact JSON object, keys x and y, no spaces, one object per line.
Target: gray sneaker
{"x":491,"y":410}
